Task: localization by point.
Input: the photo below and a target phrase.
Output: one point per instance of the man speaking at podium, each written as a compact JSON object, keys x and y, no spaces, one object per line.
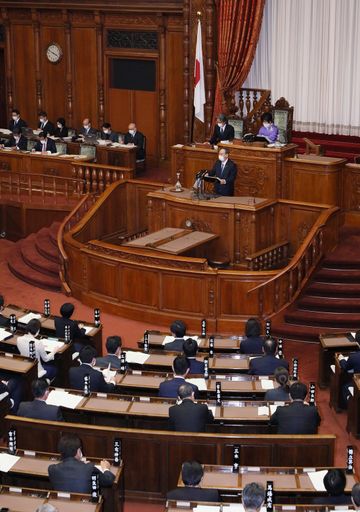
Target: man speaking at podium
{"x":224,"y":172}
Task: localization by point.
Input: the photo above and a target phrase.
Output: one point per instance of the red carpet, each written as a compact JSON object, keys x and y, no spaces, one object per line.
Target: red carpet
{"x":339,"y":146}
{"x":18,"y":292}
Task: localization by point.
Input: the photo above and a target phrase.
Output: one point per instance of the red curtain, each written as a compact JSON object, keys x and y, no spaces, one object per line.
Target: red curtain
{"x":239,"y":23}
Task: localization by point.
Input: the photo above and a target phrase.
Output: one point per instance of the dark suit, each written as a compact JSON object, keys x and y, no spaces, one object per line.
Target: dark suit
{"x":21,"y":144}
{"x":72,"y":475}
{"x":266,"y":365}
{"x":296,"y":418}
{"x":252,"y":345}
{"x":92,"y":132}
{"x":75,"y":331}
{"x":341,"y":499}
{"x":277,"y":395}
{"x":113,"y":136}
{"x":169,"y":388}
{"x":196,"y":367}
{"x":19,"y":124}
{"x":97,"y":381}
{"x":50,"y":146}
{"x":352,"y":364}
{"x":61,"y":132}
{"x":189,"y":417}
{"x":228,"y":173}
{"x":4,"y":322}
{"x":193,"y":494}
{"x":137,"y":139}
{"x":175,"y":346}
{"x":104,"y":361}
{"x":40,"y":410}
{"x":48,"y":129}
{"x":227,"y":134}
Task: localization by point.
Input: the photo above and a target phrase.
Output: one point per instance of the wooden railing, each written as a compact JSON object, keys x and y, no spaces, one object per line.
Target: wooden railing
{"x":35,"y":187}
{"x":97,"y":177}
{"x":73,"y":218}
{"x":280,"y":290}
{"x":269,"y":258}
{"x":248,"y":105}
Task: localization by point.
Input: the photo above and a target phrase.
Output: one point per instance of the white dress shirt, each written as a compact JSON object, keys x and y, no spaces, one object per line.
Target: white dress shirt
{"x":40,"y":352}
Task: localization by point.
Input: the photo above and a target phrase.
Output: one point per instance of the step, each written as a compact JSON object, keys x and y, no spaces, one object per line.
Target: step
{"x":330,"y":304}
{"x":323,"y":319}
{"x":54,"y":228}
{"x":338,"y":276}
{"x":339,"y":290}
{"x":36,"y":260}
{"x":45,"y":246}
{"x":29,"y":275}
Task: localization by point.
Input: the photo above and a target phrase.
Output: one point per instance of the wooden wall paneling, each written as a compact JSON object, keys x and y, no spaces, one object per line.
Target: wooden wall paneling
{"x":69,"y":75}
{"x":103,"y":277}
{"x":300,"y":222}
{"x":139,"y":287}
{"x":184,"y":294}
{"x":186,"y":48}
{"x":38,"y":59}
{"x":162,"y":91}
{"x":100,"y":66}
{"x":9,"y":77}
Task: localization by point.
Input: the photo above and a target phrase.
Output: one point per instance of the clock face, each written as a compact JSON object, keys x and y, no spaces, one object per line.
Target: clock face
{"x":54,"y":53}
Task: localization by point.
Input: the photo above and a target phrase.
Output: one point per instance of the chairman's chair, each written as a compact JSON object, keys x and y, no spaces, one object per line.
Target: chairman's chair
{"x":87,"y":150}
{"x":283,"y":119}
{"x":141,"y":162}
{"x":31,"y":144}
{"x":238,"y":125}
{"x":61,"y":148}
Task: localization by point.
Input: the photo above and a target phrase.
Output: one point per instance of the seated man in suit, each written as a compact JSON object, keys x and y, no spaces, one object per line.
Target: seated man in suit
{"x":334,"y":483}
{"x":222,"y":131}
{"x":169,"y":388}
{"x":46,"y":126}
{"x":77,"y":373}
{"x":113,"y":348}
{"x":253,"y":497}
{"x":189,"y":416}
{"x":77,"y":331}
{"x":137,"y":138}
{"x":192,"y":474}
{"x":38,"y":409}
{"x":225,"y":171}
{"x":17,"y":141}
{"x":253,"y":341}
{"x":4,"y":321}
{"x":298,"y":417}
{"x":73,"y":474}
{"x":190,"y":348}
{"x":87,"y":130}
{"x":108,"y":134}
{"x":350,"y":365}
{"x":44,"y":144}
{"x":16,"y":121}
{"x":355,"y":496}
{"x":178,"y":330}
{"x":267,"y":364}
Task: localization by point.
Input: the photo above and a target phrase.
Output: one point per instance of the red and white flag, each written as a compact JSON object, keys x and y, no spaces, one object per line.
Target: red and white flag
{"x":199,"y":81}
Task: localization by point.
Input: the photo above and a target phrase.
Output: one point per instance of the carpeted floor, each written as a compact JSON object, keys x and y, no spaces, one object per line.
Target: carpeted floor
{"x":17,"y":292}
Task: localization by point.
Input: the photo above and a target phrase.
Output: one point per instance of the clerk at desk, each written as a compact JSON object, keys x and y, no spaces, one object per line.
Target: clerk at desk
{"x":17,"y":141}
{"x":225,"y":170}
{"x":45,"y":144}
{"x":223,"y":130}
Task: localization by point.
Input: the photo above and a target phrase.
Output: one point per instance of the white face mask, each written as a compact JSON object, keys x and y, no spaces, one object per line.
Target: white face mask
{"x":222,"y":158}
{"x":132,"y":132}
{"x":106,"y":132}
{"x":220,"y":125}
{"x":59,"y":125}
{"x":42,"y":120}
{"x":86,"y":126}
{"x":15,"y":118}
{"x":17,"y":138}
{"x":266,"y":125}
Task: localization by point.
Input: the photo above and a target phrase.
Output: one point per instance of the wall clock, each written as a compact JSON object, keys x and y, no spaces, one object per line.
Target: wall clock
{"x":54,"y":53}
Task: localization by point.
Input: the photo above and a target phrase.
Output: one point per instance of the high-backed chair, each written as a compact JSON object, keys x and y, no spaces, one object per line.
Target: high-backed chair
{"x":283,"y":119}
{"x":141,"y":163}
{"x":238,"y":125}
{"x":30,"y":144}
{"x":61,"y":148}
{"x":86,"y":149}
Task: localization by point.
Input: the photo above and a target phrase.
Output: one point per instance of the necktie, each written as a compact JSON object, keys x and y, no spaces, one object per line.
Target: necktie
{"x":222,"y":168}
{"x":42,"y":125}
{"x":43,"y":149}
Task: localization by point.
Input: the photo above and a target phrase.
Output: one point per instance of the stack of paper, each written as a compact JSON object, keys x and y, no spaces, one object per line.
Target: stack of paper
{"x":317,"y":479}
{"x":332,"y":368}
{"x":29,"y":316}
{"x":136,"y":357}
{"x":200,"y":383}
{"x":263,"y":411}
{"x":170,"y":339}
{"x":63,"y":399}
{"x":109,"y":375}
{"x":267,"y":384}
{"x":4,"y":335}
{"x":7,"y":462}
{"x":88,"y":328}
{"x":50,"y":344}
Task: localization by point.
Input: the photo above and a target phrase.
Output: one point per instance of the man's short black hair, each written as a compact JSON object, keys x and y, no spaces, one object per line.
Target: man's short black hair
{"x":357,"y":336}
{"x":42,"y":135}
{"x":355,"y":494}
{"x":222,"y":118}
{"x":298,"y":391}
{"x":270,"y":346}
{"x":252,"y":328}
{"x":190,"y":347}
{"x":106,"y":125}
{"x":68,"y":445}
{"x":2,"y":301}
{"x":185,"y":391}
{"x":15,"y":111}
{"x":17,"y":131}
{"x":267,"y":116}
{"x":42,"y":113}
{"x":39,"y":387}
{"x":67,"y":309}
{"x":191,"y":473}
{"x":178,"y":328}
{"x":87,"y":354}
{"x":33,"y":326}
{"x":180,"y":365}
{"x":335,"y":482}
{"x":61,"y":120}
{"x":113,"y":343}
{"x":253,"y":496}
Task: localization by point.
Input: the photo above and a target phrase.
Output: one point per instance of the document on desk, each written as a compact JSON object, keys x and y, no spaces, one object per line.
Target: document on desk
{"x":29,"y":316}
{"x":267,"y":384}
{"x":170,"y":339}
{"x":63,"y":399}
{"x":136,"y":357}
{"x":200,"y":383}
{"x":273,"y":407}
{"x":263,"y":411}
{"x":317,"y":479}
{"x":7,"y":461}
{"x":88,"y":329}
{"x":4,"y":335}
{"x":50,"y":344}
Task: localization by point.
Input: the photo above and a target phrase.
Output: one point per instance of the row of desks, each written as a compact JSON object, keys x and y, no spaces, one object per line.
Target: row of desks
{"x":181,"y":506}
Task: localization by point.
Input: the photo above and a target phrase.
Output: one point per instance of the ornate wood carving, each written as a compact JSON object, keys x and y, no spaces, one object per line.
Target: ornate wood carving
{"x":162,"y":91}
{"x":2,"y":34}
{"x":209,"y":64}
{"x":135,"y":39}
{"x":36,"y":28}
{"x":9,"y":69}
{"x":69,"y":80}
{"x":82,"y":17}
{"x":186,"y":70}
{"x":100,"y":66}
{"x":125,"y":21}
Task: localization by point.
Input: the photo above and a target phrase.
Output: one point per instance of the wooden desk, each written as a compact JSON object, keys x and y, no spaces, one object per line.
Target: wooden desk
{"x":353,"y":419}
{"x":185,"y":506}
{"x":222,"y":343}
{"x":289,"y":481}
{"x":23,"y":367}
{"x":316,"y":179}
{"x":259,"y":169}
{"x":27,"y":500}
{"x":329,"y":345}
{"x":154,"y":458}
{"x":243,"y":225}
{"x":220,"y":363}
{"x":48,"y":324}
{"x":232,"y":385}
{"x":124,"y":156}
{"x":338,"y":379}
{"x":32,"y":471}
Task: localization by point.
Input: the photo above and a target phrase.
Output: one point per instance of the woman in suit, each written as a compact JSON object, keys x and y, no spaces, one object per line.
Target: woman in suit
{"x":280,"y":394}
{"x":61,"y":129}
{"x":253,"y":342}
